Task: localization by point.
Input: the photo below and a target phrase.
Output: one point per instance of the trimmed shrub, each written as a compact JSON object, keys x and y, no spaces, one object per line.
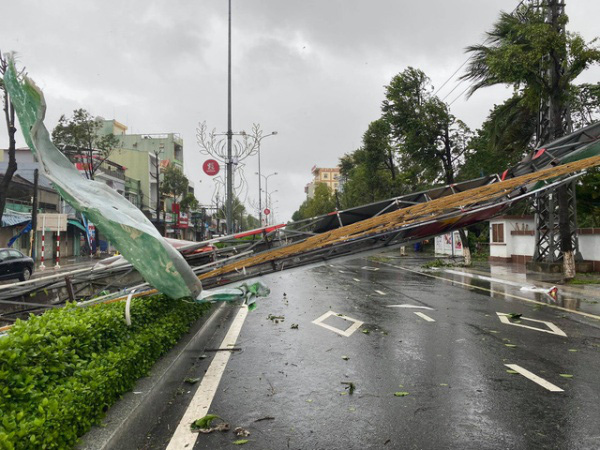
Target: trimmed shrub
{"x":61,"y":371}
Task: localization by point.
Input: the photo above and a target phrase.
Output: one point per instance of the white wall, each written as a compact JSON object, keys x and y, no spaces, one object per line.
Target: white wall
{"x":589,"y":246}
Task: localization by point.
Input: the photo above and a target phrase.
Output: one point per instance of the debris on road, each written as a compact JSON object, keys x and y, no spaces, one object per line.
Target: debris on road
{"x":294,"y":326}
{"x":275,"y":319}
{"x":240,"y":442}
{"x":400,"y":394}
{"x":203,"y":425}
{"x":241,"y":432}
{"x":350,"y":386}
{"x":345,"y":358}
{"x":265,"y":418}
{"x":192,"y":380}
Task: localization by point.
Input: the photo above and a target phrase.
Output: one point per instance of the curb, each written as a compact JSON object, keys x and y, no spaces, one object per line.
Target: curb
{"x":139,"y":406}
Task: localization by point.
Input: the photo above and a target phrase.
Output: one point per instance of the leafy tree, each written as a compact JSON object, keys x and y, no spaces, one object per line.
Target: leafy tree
{"x":503,"y":139}
{"x":9,"y":117}
{"x":523,"y":51}
{"x":433,"y":143}
{"x":322,"y":202}
{"x":532,"y":52}
{"x":79,"y":139}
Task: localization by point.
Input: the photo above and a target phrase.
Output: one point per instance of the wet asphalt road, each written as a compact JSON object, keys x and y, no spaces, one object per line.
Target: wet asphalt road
{"x":453,"y":369}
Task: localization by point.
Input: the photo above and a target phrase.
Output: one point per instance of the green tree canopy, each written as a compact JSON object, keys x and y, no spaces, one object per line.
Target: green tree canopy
{"x":79,"y":139}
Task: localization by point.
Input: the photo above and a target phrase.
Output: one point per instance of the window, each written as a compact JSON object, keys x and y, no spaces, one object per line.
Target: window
{"x":498,"y":233}
{"x":325,"y":176}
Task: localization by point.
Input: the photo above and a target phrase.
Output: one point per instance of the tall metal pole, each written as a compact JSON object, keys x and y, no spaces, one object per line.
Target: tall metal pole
{"x":229,"y":138}
{"x":259,"y":191}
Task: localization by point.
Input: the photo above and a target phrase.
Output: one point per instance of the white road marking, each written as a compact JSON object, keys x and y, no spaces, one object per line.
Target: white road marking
{"x":200,"y":404}
{"x":504,"y":318}
{"x":380,"y":292}
{"x":410,"y":306}
{"x":533,"y":377}
{"x":424,"y":316}
{"x":356,"y":279}
{"x":347,"y":332}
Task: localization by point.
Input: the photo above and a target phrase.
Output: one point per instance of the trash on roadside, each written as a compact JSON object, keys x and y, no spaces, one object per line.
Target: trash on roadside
{"x":294,"y":326}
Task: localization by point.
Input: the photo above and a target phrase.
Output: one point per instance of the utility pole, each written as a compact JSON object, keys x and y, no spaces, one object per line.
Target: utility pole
{"x":34,"y":213}
{"x":556,"y":213}
{"x":229,"y":171}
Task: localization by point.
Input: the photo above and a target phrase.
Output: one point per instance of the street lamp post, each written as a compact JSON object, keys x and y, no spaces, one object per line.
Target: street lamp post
{"x":269,"y":203}
{"x":266,"y":177}
{"x":259,"y":175}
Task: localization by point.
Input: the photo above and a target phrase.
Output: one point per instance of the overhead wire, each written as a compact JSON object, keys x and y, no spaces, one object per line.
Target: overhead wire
{"x":462,"y":65}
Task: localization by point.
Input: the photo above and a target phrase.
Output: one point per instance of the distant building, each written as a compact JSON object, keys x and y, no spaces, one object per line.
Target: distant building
{"x":140,"y":154}
{"x":328,"y":176}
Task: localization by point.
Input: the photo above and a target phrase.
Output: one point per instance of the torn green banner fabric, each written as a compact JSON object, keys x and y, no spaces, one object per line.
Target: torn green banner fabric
{"x":125,"y":225}
{"x":247,"y":292}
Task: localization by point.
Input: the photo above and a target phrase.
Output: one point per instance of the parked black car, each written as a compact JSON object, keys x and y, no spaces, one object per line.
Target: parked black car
{"x":14,"y":264}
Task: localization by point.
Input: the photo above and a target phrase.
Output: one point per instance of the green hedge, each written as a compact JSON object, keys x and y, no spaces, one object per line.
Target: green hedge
{"x":59,"y":372}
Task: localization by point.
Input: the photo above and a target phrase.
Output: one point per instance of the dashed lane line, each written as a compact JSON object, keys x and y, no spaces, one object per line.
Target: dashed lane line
{"x":424,"y":316}
{"x":184,"y":437}
{"x":533,"y":377}
{"x":505,"y":294}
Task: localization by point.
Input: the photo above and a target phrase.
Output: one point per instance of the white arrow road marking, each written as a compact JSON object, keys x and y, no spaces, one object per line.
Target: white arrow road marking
{"x":533,"y":377}
{"x":380,"y":292}
{"x":504,"y":318}
{"x":184,"y":437}
{"x":424,"y":317}
{"x":346,"y":333}
{"x":410,"y":306}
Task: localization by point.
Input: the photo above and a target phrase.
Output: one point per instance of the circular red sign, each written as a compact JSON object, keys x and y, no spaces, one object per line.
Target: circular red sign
{"x":267,"y":211}
{"x":211,"y":167}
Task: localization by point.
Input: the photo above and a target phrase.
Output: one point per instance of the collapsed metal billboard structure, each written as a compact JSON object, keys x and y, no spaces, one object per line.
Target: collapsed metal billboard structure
{"x":393,"y":222}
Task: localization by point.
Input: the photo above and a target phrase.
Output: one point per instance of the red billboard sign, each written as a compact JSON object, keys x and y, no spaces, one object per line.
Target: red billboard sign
{"x":211,"y":167}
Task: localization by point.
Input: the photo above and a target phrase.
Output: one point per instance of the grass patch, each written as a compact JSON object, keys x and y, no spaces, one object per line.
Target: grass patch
{"x":61,"y":371}
{"x":437,"y":263}
{"x":583,"y":279}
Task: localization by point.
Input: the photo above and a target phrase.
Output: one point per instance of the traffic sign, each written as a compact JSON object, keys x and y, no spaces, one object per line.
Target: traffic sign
{"x":210,"y":167}
{"x":267,"y":211}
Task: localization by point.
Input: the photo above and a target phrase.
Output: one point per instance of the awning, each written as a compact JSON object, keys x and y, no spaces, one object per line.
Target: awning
{"x":77,"y":224}
{"x":10,"y":220}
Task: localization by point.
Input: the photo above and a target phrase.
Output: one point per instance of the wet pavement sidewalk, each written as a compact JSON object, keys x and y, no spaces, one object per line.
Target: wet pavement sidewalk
{"x":505,"y":279}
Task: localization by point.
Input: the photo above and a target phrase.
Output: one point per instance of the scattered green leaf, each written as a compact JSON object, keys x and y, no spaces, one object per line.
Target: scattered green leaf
{"x":204,"y":422}
{"x":240,"y":442}
{"x":511,"y":371}
{"x":400,"y":394}
{"x":566,"y":375}
{"x":192,"y":380}
{"x":365,"y":331}
{"x":510,"y":345}
{"x":573,"y":350}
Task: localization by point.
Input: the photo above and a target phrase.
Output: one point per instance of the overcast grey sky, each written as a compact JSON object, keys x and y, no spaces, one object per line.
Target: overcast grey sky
{"x":312,"y":70}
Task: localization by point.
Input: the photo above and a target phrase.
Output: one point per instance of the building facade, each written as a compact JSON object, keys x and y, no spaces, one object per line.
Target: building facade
{"x":328,"y":176}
